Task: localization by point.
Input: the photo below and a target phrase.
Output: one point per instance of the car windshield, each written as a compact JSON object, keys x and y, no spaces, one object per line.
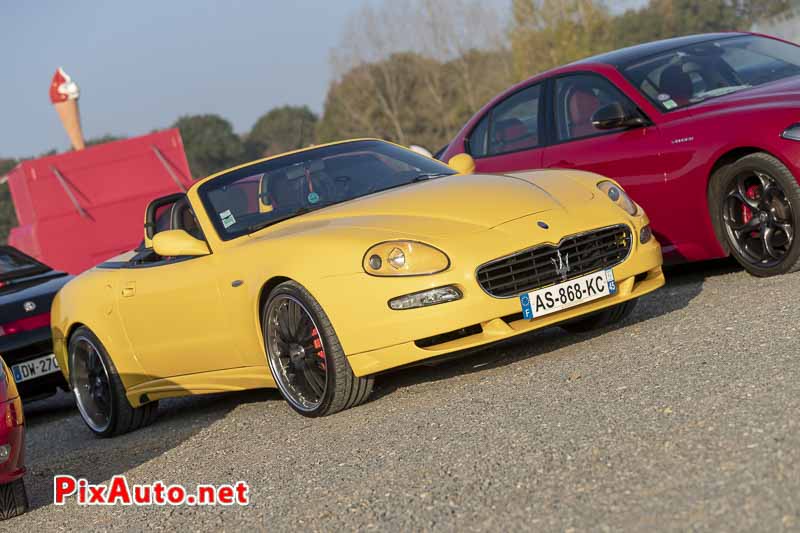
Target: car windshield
{"x":709,"y":69}
{"x":14,"y":264}
{"x":259,"y":195}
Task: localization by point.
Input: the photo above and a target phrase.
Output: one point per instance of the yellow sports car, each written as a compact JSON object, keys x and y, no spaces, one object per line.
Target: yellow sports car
{"x":315,"y":270}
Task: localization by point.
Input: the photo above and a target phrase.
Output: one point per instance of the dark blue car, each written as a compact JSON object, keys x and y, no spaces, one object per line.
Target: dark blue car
{"x":27,"y":288}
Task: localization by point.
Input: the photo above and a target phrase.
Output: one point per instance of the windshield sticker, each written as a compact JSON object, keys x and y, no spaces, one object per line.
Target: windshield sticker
{"x":227,"y":219}
{"x":670,"y":104}
{"x":663,"y":97}
{"x":313,"y":197}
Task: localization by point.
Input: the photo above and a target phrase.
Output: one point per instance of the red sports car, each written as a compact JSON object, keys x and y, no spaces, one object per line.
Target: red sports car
{"x":13,"y":499}
{"x":702,"y":131}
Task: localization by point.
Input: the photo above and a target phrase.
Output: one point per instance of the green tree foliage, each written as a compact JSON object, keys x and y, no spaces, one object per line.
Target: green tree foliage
{"x":376,"y":100}
{"x":411,"y":99}
{"x":107,"y":138}
{"x":210,"y":143}
{"x":662,"y":19}
{"x":548,"y":33}
{"x":280,"y":130}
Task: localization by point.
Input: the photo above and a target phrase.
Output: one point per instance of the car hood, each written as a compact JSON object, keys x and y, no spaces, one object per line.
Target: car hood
{"x":497,"y":213}
{"x":452,"y":204}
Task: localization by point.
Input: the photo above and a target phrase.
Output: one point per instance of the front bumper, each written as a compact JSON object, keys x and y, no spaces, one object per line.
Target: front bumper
{"x":496,"y":328}
{"x":376,"y":338}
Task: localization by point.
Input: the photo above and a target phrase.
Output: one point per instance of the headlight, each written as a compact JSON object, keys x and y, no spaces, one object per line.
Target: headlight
{"x":404,"y":258}
{"x":618,"y":196}
{"x":792,"y":132}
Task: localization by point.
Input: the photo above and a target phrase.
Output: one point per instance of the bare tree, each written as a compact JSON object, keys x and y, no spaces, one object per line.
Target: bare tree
{"x":426,"y":66}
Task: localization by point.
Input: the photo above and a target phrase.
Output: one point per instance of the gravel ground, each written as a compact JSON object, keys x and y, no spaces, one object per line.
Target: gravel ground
{"x":683,"y":418}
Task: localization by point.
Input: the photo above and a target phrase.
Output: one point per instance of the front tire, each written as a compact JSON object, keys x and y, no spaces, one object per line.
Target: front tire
{"x":13,"y":499}
{"x":305,"y":357}
{"x":99,"y":392}
{"x":601,"y":319}
{"x":755,"y":206}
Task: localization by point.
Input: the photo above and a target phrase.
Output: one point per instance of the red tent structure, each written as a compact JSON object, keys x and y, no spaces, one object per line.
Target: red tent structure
{"x":80,"y":208}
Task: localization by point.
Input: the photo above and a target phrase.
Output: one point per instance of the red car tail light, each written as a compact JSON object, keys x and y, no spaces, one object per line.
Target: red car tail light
{"x":25,"y":324}
{"x":13,"y":413}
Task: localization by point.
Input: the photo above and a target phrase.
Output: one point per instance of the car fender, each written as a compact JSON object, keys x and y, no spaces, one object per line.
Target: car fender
{"x":89,"y":300}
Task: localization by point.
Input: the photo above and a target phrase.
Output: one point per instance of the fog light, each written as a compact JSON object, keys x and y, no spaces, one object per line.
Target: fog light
{"x":5,"y":451}
{"x":436,"y":296}
{"x":645,"y":235}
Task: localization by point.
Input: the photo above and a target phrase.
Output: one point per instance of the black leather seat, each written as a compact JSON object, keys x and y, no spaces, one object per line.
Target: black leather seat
{"x":182,"y":217}
{"x":677,"y":84}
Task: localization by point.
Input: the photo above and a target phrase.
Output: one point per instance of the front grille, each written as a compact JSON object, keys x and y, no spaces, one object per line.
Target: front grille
{"x":537,"y":267}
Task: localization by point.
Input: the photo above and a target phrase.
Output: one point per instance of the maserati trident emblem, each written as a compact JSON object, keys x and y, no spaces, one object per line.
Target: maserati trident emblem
{"x":562,"y":264}
{"x":29,"y":306}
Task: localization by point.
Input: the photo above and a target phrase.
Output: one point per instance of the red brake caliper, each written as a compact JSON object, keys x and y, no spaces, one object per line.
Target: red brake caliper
{"x":318,"y":346}
{"x":747,"y":212}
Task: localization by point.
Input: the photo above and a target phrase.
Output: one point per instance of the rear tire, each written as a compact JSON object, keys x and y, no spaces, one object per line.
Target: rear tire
{"x":304,"y":355}
{"x":101,"y":398}
{"x":601,"y":319}
{"x":13,"y":499}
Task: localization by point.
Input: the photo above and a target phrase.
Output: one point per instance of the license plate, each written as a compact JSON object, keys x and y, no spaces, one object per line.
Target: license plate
{"x":568,"y":294}
{"x":34,"y":368}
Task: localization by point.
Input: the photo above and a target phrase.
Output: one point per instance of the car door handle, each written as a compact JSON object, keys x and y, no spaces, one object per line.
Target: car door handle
{"x":129,"y":290}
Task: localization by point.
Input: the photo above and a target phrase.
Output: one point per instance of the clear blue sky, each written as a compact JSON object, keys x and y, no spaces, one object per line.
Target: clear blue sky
{"x":142,"y":64}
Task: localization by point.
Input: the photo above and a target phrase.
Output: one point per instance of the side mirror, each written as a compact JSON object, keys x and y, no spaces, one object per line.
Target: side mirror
{"x":462,"y":163}
{"x":150,"y":219}
{"x":615,"y":116}
{"x":178,"y":243}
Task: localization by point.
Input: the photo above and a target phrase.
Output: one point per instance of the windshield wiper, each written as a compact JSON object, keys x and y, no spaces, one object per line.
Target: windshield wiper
{"x":429,"y":175}
{"x":721,"y":91}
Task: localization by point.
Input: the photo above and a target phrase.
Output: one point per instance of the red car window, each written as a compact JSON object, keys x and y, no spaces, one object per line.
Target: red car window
{"x":512,"y":125}
{"x":578,"y":98}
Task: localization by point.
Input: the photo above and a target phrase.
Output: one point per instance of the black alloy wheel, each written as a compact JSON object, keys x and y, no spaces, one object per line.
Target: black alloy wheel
{"x":758,"y":206}
{"x":304,"y":355}
{"x":297,"y":352}
{"x":90,"y":383}
{"x":98,"y":389}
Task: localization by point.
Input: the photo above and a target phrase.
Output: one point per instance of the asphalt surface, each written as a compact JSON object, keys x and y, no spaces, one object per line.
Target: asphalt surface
{"x":685,"y":417}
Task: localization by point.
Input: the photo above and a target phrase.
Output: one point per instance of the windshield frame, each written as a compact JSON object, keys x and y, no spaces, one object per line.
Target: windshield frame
{"x":275,"y":163}
{"x":624,"y":69}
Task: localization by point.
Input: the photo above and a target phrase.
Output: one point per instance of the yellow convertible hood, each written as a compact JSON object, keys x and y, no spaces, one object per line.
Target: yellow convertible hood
{"x":456,"y":204}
